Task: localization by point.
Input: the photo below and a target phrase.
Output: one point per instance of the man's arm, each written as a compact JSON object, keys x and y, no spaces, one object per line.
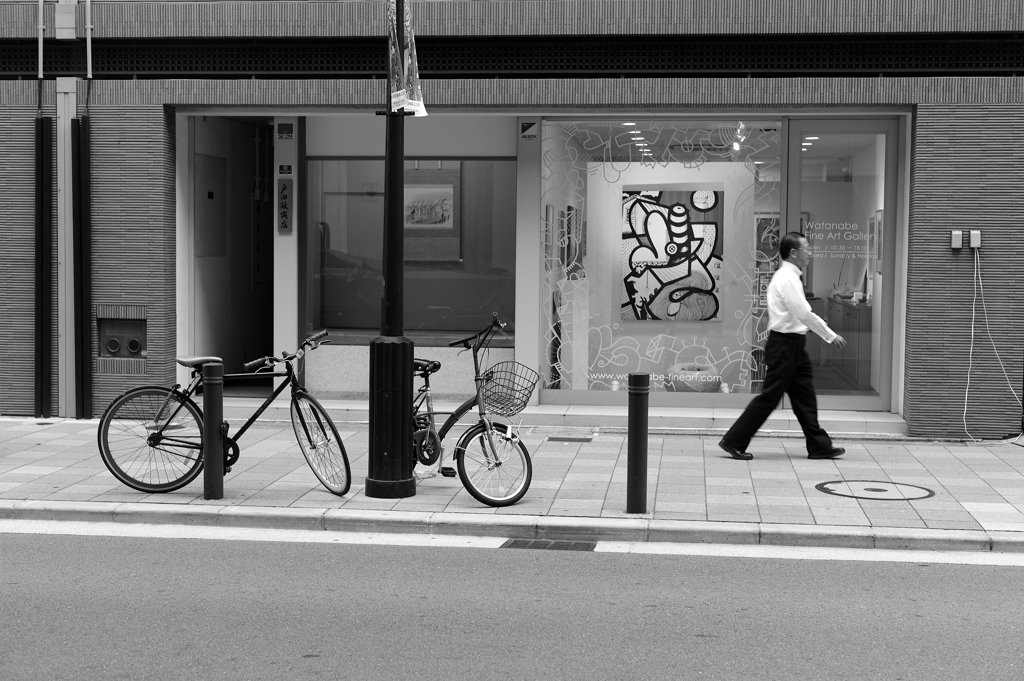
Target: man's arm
{"x":797,"y":302}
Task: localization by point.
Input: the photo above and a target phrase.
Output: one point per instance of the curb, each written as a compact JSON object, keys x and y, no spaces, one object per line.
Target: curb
{"x":517,"y":526}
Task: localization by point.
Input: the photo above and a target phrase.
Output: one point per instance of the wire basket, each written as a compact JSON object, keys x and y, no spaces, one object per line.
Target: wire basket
{"x":507,"y":388}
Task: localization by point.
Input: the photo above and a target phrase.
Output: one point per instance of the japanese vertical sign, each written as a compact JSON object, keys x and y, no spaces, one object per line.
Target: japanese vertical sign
{"x":285,"y":206}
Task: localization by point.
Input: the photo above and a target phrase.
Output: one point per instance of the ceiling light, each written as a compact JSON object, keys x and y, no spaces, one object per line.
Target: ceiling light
{"x":807,"y":144}
{"x":810,"y":138}
{"x":630,"y":124}
{"x":758,"y":163}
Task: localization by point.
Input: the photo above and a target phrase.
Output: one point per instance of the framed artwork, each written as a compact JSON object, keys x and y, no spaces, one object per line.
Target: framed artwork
{"x":880,"y":240}
{"x":669,"y":268}
{"x":431,"y":216}
{"x":429,"y":206}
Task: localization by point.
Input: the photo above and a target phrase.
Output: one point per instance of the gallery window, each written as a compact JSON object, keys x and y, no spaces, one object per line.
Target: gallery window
{"x":659,"y":238}
{"x":459,"y":222}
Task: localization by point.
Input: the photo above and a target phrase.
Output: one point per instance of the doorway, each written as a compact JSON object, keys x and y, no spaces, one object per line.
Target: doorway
{"x":841,"y":194}
{"x":230,"y":245}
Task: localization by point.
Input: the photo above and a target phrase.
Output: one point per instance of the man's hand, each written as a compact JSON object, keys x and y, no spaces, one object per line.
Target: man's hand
{"x":839,"y":340}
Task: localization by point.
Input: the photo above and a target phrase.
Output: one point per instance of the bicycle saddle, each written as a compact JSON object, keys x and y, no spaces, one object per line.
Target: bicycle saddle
{"x":425,"y":367}
{"x":197,"y":361}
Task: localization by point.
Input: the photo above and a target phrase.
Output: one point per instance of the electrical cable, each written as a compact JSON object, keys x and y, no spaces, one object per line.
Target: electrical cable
{"x":978,"y":281}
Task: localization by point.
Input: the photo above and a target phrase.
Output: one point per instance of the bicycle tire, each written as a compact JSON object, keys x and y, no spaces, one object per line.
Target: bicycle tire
{"x":494,"y":478}
{"x":129,"y":450}
{"x":321,"y":444}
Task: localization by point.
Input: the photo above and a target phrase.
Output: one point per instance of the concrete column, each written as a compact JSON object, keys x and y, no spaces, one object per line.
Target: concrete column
{"x":287,"y":224}
{"x":529,"y":307}
{"x":67,"y":108}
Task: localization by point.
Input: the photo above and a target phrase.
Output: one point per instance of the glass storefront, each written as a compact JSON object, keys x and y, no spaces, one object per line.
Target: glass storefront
{"x":659,"y":238}
{"x":459,"y":244}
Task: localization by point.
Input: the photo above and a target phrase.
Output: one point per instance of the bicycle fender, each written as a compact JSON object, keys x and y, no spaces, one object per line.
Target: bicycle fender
{"x":455,"y":416}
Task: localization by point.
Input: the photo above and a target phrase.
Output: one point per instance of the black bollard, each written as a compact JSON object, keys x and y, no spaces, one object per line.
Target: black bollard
{"x":636,"y":453}
{"x":213,"y":444}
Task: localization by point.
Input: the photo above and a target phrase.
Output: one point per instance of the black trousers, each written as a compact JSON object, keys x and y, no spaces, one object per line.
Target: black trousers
{"x":789,"y":373}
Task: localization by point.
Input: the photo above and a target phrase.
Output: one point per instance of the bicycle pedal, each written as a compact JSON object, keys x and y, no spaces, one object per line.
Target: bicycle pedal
{"x":448,"y":471}
{"x":227,"y":469}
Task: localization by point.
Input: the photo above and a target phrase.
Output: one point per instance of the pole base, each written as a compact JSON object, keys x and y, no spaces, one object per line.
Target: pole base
{"x":390,"y":489}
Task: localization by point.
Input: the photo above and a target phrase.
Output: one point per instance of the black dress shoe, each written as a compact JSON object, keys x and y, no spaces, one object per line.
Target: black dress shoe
{"x":830,"y":453}
{"x":735,"y":453}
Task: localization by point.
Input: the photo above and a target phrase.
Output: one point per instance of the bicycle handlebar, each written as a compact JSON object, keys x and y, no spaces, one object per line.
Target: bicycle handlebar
{"x":310,"y":342}
{"x":494,"y":325}
{"x":256,"y":364}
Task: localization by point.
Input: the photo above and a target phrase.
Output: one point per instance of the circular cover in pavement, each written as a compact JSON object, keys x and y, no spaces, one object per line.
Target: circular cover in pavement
{"x":874,"y":489}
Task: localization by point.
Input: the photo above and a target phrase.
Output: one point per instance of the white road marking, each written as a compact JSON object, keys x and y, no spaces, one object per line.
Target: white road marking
{"x":87,"y":529}
{"x":814,"y":553}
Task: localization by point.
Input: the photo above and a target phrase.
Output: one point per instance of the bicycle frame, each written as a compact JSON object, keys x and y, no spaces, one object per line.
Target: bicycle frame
{"x":197,"y":381}
{"x":424,"y":397}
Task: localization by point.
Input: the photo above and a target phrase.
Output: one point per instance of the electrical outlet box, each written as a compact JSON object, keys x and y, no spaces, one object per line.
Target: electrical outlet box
{"x":975,"y":238}
{"x":957,"y":242}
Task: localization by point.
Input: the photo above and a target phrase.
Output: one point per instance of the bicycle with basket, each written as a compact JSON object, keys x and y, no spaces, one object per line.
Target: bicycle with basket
{"x":492,"y":461}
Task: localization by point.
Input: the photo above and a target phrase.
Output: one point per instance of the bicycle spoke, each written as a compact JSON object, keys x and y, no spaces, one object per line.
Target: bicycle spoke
{"x":158,"y":465}
{"x":320,"y":444}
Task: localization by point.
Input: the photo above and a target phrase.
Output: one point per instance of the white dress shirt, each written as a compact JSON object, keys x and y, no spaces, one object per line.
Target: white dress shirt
{"x":788,"y":309}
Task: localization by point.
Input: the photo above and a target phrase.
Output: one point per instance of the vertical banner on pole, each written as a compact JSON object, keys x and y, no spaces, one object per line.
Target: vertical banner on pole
{"x":403,"y":71}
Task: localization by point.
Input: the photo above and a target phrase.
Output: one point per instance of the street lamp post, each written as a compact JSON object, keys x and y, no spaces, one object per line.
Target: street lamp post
{"x":391,"y":457}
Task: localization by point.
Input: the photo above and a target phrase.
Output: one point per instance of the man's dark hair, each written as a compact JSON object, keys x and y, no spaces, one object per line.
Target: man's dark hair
{"x":790,"y":242}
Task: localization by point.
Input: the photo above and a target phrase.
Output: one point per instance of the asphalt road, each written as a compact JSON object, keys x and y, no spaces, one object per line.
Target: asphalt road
{"x":140,"y":608}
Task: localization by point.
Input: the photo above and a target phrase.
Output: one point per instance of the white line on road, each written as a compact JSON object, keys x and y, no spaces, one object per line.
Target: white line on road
{"x":87,"y":529}
{"x":814,"y":553}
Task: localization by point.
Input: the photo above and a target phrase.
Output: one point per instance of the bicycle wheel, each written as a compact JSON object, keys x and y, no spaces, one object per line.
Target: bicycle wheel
{"x":498,"y":477}
{"x":320,"y":444}
{"x":151,"y":439}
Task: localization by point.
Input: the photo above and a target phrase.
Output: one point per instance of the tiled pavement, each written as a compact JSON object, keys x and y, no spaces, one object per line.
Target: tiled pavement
{"x":579,"y":473}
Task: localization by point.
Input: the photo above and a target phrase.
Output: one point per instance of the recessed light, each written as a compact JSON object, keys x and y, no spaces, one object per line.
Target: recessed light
{"x":807,"y":144}
{"x":810,"y":138}
{"x":630,"y":124}
{"x":758,"y":163}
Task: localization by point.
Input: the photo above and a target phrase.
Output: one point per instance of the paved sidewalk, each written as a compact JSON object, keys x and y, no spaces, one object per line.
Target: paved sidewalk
{"x":52,"y":469}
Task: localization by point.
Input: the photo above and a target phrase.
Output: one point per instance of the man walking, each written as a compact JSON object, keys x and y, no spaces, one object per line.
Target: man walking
{"x":789,"y":367}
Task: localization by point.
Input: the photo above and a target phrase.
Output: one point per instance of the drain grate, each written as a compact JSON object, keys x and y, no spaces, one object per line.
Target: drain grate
{"x":570,"y":439}
{"x":549,"y":545}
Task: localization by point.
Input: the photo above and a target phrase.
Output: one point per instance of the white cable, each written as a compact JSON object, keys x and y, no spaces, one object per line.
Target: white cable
{"x":981,"y":282}
{"x":970,"y":352}
{"x":970,"y":357}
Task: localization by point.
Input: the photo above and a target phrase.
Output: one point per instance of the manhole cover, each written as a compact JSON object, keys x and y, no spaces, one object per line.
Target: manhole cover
{"x":874,"y":489}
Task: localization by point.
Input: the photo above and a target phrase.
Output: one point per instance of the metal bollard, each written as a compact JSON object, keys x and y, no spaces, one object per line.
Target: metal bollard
{"x":213,"y":444}
{"x":636,"y":462}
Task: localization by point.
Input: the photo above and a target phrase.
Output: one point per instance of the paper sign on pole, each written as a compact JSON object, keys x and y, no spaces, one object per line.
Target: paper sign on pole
{"x":403,"y":71}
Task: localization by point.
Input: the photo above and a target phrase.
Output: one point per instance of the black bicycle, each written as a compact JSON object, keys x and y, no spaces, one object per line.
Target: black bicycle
{"x":493,"y":463}
{"x":151,"y":438}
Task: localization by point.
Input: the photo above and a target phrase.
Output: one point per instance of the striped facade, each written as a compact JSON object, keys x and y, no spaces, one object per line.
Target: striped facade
{"x":965,"y":170}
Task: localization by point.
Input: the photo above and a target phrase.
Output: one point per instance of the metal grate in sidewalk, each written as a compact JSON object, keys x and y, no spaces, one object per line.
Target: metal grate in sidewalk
{"x":549,"y":545}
